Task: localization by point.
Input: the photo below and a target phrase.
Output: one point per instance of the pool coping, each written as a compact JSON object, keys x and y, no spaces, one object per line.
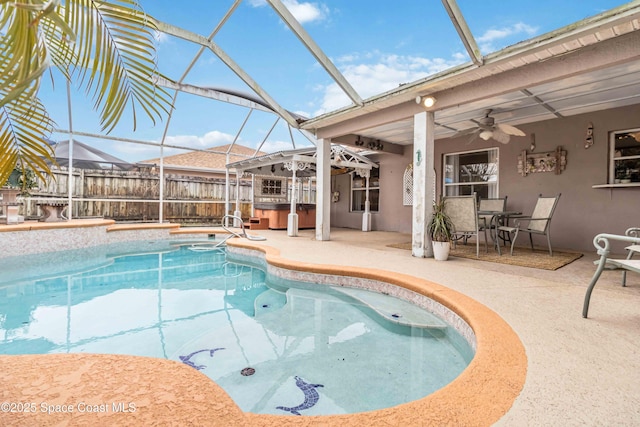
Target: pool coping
{"x":167,"y":390}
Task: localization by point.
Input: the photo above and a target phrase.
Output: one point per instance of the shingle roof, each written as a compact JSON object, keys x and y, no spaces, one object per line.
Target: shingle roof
{"x":212,"y":158}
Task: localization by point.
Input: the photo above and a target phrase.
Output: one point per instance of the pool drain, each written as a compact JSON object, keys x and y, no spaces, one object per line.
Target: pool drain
{"x":395,"y":315}
{"x":247,"y":372}
{"x":265,"y":305}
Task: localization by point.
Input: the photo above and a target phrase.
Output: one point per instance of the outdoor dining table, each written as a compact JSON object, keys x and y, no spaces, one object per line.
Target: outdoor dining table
{"x":497,"y":218}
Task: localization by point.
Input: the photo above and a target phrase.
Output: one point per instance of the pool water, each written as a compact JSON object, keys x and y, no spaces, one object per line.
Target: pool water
{"x":275,"y":346}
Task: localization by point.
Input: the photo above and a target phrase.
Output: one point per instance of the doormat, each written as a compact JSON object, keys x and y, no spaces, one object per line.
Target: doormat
{"x":522,"y":257}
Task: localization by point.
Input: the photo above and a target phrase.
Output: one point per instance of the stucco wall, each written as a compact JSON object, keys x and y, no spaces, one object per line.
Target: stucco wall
{"x":582,"y":211}
{"x":393,"y":216}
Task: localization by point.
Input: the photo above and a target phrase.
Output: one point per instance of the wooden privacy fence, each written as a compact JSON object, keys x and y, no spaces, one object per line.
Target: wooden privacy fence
{"x":135,"y":195}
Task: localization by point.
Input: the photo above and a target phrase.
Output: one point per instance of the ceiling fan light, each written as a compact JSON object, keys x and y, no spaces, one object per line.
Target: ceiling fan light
{"x":486,"y":135}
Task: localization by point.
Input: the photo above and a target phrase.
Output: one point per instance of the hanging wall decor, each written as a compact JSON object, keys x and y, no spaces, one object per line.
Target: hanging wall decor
{"x":551,"y":161}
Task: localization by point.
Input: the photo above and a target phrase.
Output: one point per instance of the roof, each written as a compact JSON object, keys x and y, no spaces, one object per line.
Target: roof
{"x":86,"y":157}
{"x":212,"y":158}
{"x":279,"y":163}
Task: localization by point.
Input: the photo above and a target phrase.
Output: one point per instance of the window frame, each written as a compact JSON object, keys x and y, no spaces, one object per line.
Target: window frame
{"x":616,"y":155}
{"x":493,"y":186}
{"x":372,"y":189}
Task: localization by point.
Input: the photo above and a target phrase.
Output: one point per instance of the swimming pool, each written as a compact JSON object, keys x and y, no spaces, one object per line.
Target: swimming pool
{"x":273,"y":344}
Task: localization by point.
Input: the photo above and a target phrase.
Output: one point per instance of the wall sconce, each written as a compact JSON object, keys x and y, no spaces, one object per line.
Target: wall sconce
{"x":359,"y":142}
{"x":273,"y":168}
{"x":589,"y":139}
{"x":532,"y":147}
{"x":375,"y":145}
{"x":426,"y":101}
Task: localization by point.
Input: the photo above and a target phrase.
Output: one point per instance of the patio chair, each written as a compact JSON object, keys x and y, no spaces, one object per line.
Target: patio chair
{"x":485,"y":222}
{"x":602,"y":243}
{"x":538,"y":223}
{"x":463,"y":212}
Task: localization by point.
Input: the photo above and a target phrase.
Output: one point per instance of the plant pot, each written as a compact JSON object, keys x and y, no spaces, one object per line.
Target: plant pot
{"x":441,"y":250}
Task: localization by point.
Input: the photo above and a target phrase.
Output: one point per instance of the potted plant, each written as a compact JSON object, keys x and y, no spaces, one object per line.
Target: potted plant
{"x":440,"y":228}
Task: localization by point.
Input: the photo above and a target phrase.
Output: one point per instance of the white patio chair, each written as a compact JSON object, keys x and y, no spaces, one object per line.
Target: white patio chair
{"x":463,"y":212}
{"x":538,"y":223}
{"x":602,"y":243}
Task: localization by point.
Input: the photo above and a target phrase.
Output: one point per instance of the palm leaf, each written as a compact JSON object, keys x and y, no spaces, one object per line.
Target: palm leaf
{"x":24,"y":124}
{"x":115,"y":58}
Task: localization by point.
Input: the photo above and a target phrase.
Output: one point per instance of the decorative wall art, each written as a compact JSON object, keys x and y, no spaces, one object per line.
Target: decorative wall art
{"x":550,"y":161}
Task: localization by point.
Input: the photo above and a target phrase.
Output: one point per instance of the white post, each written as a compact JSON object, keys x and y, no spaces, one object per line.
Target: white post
{"x":423,"y":182}
{"x":366,"y":216}
{"x":237,"y":213}
{"x":70,"y":171}
{"x":323,"y":189}
{"x":253,"y":195}
{"x":226,"y":194}
{"x":292,"y":219}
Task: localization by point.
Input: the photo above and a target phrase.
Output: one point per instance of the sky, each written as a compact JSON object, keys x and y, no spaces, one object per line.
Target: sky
{"x":376,"y":44}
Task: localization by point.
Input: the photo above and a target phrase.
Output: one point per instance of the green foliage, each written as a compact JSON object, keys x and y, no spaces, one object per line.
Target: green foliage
{"x":24,"y":179}
{"x":105,"y":46}
{"x":440,"y":227}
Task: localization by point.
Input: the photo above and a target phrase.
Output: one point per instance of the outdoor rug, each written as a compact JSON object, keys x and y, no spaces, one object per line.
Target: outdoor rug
{"x":522,"y":256}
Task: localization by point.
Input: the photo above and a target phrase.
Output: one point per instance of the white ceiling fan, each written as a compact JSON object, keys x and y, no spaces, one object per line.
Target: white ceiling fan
{"x":487,"y":128}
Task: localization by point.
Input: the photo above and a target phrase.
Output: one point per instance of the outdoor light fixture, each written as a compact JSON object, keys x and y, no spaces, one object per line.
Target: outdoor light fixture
{"x":427,"y":101}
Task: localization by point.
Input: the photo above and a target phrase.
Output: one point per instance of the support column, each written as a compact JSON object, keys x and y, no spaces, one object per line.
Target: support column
{"x":423,"y":182}
{"x":227,"y":189}
{"x":292,"y":219}
{"x":323,"y":189}
{"x":366,"y":215}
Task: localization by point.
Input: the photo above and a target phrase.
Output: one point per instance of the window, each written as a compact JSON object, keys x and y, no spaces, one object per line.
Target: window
{"x":624,"y":164}
{"x":271,"y":187}
{"x":469,"y":172}
{"x":359,"y":188}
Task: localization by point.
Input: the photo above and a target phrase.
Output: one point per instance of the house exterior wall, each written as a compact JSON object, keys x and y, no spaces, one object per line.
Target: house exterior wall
{"x":582,"y":211}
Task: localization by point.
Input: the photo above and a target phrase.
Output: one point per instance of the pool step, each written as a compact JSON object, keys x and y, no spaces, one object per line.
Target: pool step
{"x":258,"y":223}
{"x":396,"y":310}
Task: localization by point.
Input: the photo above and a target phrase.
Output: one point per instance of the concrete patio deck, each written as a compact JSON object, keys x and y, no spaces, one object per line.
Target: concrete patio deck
{"x":581,"y":372}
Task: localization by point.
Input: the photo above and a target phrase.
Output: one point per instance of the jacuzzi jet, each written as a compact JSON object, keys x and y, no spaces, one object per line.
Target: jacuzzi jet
{"x":396,"y":316}
{"x":265,"y":305}
{"x":247,"y":372}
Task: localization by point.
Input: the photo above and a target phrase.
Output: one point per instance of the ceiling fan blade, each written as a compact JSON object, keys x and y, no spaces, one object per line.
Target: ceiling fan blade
{"x":474,"y":136}
{"x":463,"y":132}
{"x":510,"y":130}
{"x":501,"y":136}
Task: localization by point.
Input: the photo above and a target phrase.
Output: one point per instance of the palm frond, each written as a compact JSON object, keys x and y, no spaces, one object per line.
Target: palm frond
{"x":22,"y":58}
{"x":115,"y":58}
{"x":24,"y":125}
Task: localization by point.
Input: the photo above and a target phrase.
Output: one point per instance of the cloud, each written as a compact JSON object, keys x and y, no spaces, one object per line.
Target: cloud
{"x":138,"y":152}
{"x":209,"y":139}
{"x":371,"y":73}
{"x":275,"y":146}
{"x":303,"y":11}
{"x":505,"y":35}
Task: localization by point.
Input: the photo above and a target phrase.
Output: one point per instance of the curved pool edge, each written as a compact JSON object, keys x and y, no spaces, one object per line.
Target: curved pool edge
{"x":167,"y":390}
{"x":479,"y":396}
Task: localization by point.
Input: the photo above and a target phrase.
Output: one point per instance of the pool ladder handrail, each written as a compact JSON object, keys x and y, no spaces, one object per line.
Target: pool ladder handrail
{"x":242,"y":233}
